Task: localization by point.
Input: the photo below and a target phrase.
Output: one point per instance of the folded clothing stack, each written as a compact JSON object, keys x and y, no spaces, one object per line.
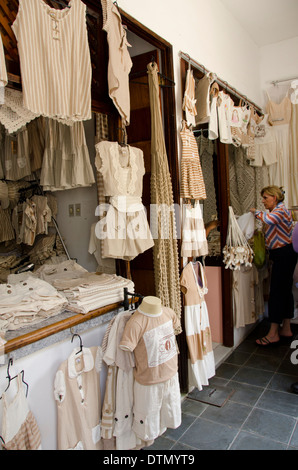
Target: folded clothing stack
{"x":28,"y":302}
{"x":93,"y":291}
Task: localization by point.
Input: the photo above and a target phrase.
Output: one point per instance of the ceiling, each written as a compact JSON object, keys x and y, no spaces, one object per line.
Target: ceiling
{"x":266,"y":21}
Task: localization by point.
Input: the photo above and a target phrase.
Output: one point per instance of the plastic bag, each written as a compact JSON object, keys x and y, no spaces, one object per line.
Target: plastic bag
{"x":259,"y":249}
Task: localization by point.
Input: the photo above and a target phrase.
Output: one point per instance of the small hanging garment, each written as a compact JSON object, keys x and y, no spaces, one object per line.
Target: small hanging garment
{"x":119,"y":59}
{"x":192,"y":182}
{"x":77,"y":394}
{"x":125,"y":230}
{"x":189,"y":101}
{"x":202,"y":95}
{"x":194,"y":242}
{"x":201,"y":365}
{"x":19,"y":427}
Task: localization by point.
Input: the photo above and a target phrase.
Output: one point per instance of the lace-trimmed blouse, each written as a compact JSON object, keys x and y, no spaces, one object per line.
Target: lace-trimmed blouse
{"x":122,"y":169}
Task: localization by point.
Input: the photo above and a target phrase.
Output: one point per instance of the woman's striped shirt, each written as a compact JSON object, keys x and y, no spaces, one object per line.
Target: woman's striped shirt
{"x":278,"y":226}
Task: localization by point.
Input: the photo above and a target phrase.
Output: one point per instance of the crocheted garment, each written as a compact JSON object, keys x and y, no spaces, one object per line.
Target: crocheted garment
{"x":165,"y":250}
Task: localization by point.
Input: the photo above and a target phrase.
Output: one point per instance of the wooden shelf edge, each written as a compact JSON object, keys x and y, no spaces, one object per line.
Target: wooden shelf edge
{"x":45,"y":332}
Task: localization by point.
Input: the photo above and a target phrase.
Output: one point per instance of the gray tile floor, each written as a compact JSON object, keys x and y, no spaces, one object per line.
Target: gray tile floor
{"x":262,"y":412}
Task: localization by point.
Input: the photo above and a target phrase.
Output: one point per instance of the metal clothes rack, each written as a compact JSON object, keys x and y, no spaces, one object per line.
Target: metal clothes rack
{"x":133,"y":294}
{"x":220,"y":82}
{"x":275,"y":82}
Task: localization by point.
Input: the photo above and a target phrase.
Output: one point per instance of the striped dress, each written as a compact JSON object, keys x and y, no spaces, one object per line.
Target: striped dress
{"x":278,"y":226}
{"x":55,"y":59}
{"x":192,"y":182}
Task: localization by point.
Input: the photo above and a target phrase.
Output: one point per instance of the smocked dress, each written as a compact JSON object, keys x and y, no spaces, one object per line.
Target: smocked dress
{"x":125,"y":229}
{"x":192,"y":182}
{"x":66,"y":160}
{"x":201,"y":365}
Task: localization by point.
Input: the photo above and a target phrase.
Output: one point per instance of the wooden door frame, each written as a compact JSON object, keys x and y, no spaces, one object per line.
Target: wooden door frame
{"x":166,"y":61}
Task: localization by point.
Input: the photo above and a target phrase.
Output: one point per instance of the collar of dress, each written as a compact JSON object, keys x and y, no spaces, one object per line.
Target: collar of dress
{"x":87,"y":358}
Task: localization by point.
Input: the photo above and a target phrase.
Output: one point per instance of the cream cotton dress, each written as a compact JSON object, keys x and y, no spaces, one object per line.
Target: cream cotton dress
{"x":124,"y":230}
{"x":77,"y":394}
{"x":201,"y":365}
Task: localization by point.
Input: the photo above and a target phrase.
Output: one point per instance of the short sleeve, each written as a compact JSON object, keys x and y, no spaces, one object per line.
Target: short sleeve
{"x":184,"y":286}
{"x":59,"y":386}
{"x":131,"y":335}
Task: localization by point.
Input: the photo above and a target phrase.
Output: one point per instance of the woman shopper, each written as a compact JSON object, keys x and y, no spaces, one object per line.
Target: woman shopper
{"x":279,"y":226}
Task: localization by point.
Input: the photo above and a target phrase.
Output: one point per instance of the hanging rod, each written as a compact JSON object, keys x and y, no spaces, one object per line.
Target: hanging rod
{"x":218,"y":80}
{"x":274,"y":82}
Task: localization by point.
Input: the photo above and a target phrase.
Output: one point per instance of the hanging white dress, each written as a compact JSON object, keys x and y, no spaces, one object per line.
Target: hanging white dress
{"x":125,"y":230}
{"x":201,"y":365}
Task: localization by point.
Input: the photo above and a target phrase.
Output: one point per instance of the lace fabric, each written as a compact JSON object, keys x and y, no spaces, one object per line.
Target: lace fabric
{"x":13,"y":115}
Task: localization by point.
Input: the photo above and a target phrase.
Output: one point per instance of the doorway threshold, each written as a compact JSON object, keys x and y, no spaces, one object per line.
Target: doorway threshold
{"x":220,"y":353}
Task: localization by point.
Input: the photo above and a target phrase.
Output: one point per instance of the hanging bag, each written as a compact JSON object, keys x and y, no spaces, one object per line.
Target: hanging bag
{"x":259,"y":249}
{"x":237,"y":251}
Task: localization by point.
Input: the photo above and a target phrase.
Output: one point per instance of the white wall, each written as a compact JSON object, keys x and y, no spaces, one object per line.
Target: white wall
{"x":209,"y":34}
{"x":39,"y":372}
{"x":75,"y":230}
{"x":278,"y":61}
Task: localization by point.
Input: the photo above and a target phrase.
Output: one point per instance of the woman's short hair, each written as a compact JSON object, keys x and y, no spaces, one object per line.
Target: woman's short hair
{"x":274,"y":191}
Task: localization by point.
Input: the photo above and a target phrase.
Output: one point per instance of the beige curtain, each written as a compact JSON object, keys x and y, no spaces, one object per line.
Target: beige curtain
{"x":163,"y":221}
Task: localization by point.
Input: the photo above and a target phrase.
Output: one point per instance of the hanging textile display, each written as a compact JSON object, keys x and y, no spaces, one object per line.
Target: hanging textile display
{"x":192,"y":182}
{"x":20,"y":430}
{"x":189,"y":101}
{"x":56,"y":72}
{"x":280,"y":118}
{"x":125,"y":230}
{"x":202,"y":95}
{"x":244,"y":303}
{"x":3,"y":71}
{"x":237,"y":251}
{"x":13,"y":115}
{"x":120,"y":62}
{"x":201,"y":365}
{"x":78,"y":398}
{"x":165,"y":250}
{"x":194,"y":241}
{"x":66,"y":161}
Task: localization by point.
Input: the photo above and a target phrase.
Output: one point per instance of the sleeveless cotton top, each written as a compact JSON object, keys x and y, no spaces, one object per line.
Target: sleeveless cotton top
{"x":55,"y":59}
{"x":279,"y":113}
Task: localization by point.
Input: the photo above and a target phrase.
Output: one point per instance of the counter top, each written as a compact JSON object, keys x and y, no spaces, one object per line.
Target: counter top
{"x":24,"y":341}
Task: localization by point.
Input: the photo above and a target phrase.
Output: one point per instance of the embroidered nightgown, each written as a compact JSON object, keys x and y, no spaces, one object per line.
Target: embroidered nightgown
{"x":201,"y":365}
